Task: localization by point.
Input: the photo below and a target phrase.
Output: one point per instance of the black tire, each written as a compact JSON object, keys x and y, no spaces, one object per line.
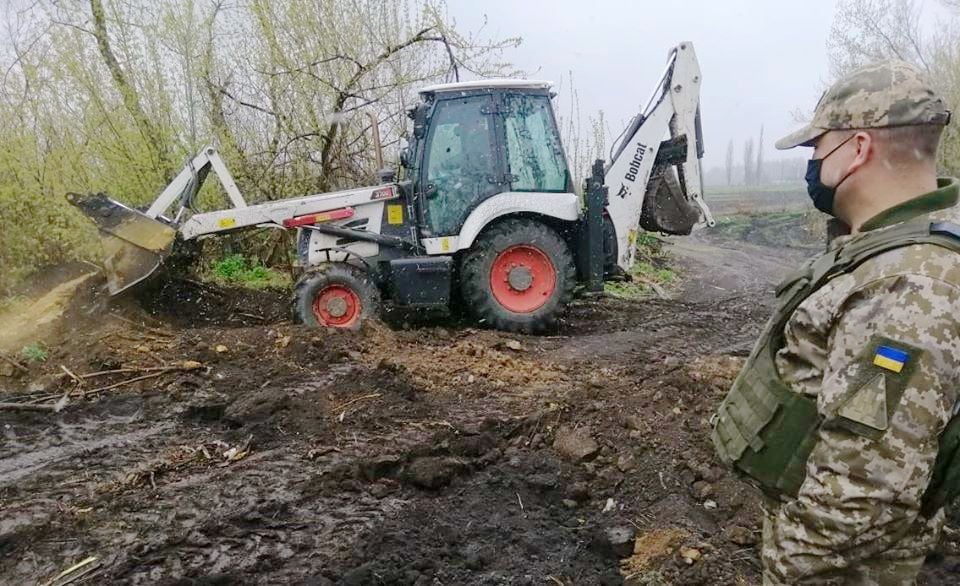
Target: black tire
{"x":339,"y":277}
{"x":477,"y":266}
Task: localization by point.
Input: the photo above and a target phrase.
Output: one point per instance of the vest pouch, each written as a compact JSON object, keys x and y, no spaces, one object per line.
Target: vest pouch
{"x":768,"y":446}
{"x":945,"y":482}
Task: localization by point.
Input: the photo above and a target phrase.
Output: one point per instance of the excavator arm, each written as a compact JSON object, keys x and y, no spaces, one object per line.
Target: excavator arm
{"x":655,"y":181}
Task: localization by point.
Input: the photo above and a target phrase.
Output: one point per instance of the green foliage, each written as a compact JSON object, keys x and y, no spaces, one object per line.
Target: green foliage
{"x":648,"y":243}
{"x":237,"y":270}
{"x":34,"y":352}
{"x":650,"y":270}
{"x":281,"y":87}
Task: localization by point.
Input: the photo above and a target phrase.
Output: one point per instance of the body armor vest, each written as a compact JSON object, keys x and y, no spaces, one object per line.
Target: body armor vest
{"x":765,"y":430}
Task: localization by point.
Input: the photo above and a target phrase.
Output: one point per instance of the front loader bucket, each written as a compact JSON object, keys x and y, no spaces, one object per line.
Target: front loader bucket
{"x":134,"y":245}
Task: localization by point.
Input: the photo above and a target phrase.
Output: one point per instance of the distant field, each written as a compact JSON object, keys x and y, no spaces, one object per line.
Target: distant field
{"x":733,"y":200}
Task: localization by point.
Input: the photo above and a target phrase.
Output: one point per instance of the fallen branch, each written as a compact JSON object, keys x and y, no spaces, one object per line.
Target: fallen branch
{"x":27,"y":407}
{"x":122,"y":383}
{"x":357,"y":400}
{"x":70,"y":373}
{"x":145,"y":327}
{"x":74,"y":572}
{"x":186,"y":365}
{"x":250,"y":315}
{"x":16,"y":364}
{"x":653,"y":285}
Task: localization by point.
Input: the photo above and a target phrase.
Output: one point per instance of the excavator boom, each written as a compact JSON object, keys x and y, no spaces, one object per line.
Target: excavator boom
{"x":655,"y":183}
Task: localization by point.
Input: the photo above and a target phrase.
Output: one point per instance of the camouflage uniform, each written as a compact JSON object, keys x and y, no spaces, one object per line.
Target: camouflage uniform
{"x":856,"y":518}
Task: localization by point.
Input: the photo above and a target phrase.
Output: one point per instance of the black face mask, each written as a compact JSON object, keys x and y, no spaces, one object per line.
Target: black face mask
{"x":823,"y":195}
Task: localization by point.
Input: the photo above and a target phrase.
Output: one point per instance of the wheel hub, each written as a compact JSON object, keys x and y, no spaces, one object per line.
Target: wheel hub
{"x":520,"y":278}
{"x":523,"y":278}
{"x":337,"y":306}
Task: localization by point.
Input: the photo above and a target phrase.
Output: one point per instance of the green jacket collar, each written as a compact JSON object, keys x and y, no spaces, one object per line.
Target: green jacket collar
{"x":946,"y":195}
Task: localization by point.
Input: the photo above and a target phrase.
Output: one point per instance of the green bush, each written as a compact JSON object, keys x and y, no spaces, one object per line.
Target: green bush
{"x":238,"y":270}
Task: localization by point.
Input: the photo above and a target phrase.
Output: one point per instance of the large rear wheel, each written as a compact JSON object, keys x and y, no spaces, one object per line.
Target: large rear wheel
{"x":518,"y":276}
{"x":336,"y":295}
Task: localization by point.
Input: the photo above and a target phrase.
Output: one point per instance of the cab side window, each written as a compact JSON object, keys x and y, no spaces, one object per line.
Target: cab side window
{"x":534,"y":154}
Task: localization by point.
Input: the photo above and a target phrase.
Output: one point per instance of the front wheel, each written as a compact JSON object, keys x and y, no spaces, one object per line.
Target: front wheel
{"x":336,"y":295}
{"x":518,"y":276}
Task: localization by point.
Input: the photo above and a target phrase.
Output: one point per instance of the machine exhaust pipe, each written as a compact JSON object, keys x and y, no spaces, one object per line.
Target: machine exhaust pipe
{"x":384,"y":175}
{"x":134,"y":244}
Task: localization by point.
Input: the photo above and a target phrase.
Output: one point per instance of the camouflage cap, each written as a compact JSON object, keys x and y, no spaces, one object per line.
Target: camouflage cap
{"x":888,"y":93}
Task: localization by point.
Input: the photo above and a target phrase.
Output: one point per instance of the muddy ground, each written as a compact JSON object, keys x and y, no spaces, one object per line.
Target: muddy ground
{"x":206,"y":440}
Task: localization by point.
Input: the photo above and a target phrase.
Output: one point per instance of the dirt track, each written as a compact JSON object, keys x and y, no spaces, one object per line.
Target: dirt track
{"x":436,"y":455}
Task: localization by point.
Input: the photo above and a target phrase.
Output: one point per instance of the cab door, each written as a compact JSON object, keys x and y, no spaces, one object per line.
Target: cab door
{"x":461,"y":165}
{"x":534,"y":156}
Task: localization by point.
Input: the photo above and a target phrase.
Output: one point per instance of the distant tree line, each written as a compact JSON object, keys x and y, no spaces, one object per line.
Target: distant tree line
{"x":776,"y":171}
{"x":752,"y":169}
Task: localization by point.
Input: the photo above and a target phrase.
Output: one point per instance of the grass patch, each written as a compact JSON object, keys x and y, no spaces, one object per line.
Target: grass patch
{"x":736,"y":224}
{"x":749,"y":190}
{"x":34,"y":352}
{"x":650,"y":272}
{"x":236,"y":269}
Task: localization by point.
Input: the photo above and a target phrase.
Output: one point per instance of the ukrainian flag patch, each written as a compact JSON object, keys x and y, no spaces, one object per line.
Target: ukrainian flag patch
{"x":890,"y":358}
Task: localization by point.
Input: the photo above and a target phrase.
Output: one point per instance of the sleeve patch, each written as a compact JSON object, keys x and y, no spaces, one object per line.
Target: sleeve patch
{"x":868,"y":405}
{"x":882,"y":373}
{"x":890,"y":358}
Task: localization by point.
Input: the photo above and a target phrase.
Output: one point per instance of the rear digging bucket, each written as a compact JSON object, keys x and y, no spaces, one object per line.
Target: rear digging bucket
{"x":134,"y":245}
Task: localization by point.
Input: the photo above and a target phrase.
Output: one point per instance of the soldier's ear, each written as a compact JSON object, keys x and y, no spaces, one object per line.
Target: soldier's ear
{"x":865,"y":150}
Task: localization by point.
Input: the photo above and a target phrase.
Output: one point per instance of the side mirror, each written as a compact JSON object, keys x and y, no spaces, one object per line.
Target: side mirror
{"x":406,"y":157}
{"x":420,"y":121}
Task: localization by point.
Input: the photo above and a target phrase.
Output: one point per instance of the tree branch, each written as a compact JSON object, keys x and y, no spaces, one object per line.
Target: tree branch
{"x":128,"y":93}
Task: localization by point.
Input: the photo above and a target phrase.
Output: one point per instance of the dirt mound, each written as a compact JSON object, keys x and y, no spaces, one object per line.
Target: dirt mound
{"x":185,"y":302}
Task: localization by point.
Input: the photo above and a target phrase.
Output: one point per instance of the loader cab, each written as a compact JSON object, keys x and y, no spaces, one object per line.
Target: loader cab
{"x":474,"y":140}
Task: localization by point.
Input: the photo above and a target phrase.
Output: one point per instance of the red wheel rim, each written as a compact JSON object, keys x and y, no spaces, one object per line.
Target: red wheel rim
{"x":337,"y":306}
{"x":522,"y":278}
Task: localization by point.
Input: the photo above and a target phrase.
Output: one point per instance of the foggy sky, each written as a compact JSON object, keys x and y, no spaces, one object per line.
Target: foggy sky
{"x":761,"y":60}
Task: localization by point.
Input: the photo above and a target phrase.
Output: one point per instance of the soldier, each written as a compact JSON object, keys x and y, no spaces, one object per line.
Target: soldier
{"x":839,"y":414}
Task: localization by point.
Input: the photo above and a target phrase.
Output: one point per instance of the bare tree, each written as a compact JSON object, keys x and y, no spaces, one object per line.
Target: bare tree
{"x":870,"y":30}
{"x":758,"y":174}
{"x":729,"y":162}
{"x":128,"y":92}
{"x":748,"y":161}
